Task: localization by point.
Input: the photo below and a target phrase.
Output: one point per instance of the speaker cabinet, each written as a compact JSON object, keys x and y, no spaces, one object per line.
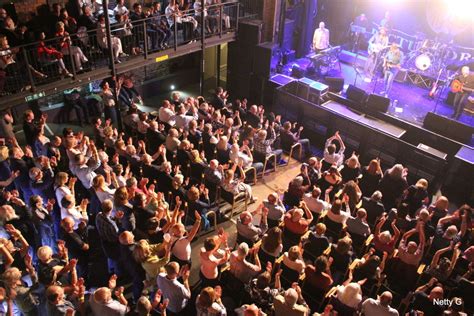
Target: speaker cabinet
{"x":377,"y":103}
{"x":336,"y":84}
{"x":448,"y":128}
{"x":357,"y":95}
{"x":250,"y":32}
{"x":262,"y":62}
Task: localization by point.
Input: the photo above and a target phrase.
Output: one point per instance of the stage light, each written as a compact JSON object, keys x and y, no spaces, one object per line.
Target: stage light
{"x":460,"y":8}
{"x":172,"y":87}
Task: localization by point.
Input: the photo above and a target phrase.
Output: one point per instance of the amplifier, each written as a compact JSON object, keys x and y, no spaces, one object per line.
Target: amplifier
{"x":318,"y":88}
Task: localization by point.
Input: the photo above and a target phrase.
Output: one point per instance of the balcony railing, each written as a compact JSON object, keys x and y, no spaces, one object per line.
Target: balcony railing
{"x":140,"y":40}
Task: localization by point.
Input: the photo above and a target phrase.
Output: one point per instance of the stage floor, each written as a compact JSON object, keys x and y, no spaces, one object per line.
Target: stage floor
{"x":413,"y":101}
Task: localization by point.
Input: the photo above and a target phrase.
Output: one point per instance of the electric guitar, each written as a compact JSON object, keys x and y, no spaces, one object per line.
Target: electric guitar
{"x":434,"y":89}
{"x":375,"y":48}
{"x":458,"y":86}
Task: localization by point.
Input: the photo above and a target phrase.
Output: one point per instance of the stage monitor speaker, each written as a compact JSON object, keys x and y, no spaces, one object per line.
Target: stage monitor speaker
{"x":450,"y":98}
{"x":357,"y":95}
{"x":336,"y":84}
{"x":377,"y":103}
{"x":448,"y":127}
{"x":263,"y":58}
{"x":297,"y":72}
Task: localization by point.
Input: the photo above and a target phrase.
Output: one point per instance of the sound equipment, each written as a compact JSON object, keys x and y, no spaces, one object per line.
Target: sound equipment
{"x":288,"y":29}
{"x":448,"y":128}
{"x":297,"y":72}
{"x":402,"y":75}
{"x":303,"y":87}
{"x":350,"y":58}
{"x":250,"y":32}
{"x":357,"y":95}
{"x":336,"y":84}
{"x":377,"y":103}
{"x":450,"y":98}
{"x":263,"y":58}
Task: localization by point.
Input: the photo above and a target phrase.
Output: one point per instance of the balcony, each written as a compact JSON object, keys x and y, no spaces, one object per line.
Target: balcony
{"x":23,"y":84}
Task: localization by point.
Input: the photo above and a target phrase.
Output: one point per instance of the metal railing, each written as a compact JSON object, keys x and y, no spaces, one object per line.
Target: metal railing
{"x":138,"y":39}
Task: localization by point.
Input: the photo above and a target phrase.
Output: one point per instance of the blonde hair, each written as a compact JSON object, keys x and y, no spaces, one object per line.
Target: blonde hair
{"x":141,"y":251}
{"x":44,"y":253}
{"x":422,"y":184}
{"x":61,"y":179}
{"x":3,"y":153}
{"x":11,"y":276}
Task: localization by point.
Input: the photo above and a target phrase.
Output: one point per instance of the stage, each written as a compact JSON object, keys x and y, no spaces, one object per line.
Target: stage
{"x":413,"y":102}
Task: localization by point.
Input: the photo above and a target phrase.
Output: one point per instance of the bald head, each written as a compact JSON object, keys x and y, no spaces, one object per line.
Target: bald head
{"x":385,"y":298}
{"x":102,"y":295}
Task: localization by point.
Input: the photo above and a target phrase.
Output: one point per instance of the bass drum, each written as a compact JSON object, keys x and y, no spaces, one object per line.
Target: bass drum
{"x":423,"y":62}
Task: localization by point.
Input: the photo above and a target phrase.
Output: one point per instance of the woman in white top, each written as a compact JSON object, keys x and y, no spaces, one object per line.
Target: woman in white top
{"x":181,"y":242}
{"x":350,"y":294}
{"x":336,"y":214}
{"x":236,"y":186}
{"x":101,"y":187}
{"x":63,"y":185}
{"x":211,"y":257}
{"x":292,"y":259}
{"x":77,"y":213}
{"x":102,"y":40}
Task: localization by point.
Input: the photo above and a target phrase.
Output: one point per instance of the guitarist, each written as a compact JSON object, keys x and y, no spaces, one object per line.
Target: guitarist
{"x":466,"y":78}
{"x":376,"y":43}
{"x":392,"y":62}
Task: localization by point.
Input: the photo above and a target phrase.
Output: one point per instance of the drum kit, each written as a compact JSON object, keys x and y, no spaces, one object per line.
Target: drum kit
{"x":428,"y":56}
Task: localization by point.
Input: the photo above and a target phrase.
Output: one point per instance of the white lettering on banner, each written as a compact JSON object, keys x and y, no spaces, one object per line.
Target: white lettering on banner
{"x":465,"y":56}
{"x":446,"y":302}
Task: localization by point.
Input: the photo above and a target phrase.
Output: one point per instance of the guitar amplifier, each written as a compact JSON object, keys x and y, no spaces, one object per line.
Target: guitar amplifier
{"x":401,"y":75}
{"x":318,"y":89}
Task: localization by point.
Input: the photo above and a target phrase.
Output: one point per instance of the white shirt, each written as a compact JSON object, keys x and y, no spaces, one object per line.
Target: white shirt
{"x":85,"y":173}
{"x":338,"y":218}
{"x":166,"y":115}
{"x":177,"y":294}
{"x":75,"y":214}
{"x":315,"y":205}
{"x":181,"y":249}
{"x":372,"y":307}
{"x":113,"y":307}
{"x":321,"y":38}
{"x":182,"y":120}
{"x":120,"y":9}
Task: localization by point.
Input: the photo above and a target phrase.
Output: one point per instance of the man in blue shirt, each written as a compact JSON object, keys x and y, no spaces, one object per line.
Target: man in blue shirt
{"x":392,"y":64}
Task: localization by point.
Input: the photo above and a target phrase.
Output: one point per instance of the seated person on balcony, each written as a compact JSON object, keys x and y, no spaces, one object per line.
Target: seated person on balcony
{"x":173,"y":14}
{"x":103,"y":43}
{"x":160,"y":24}
{"x":66,"y":46}
{"x":198,"y":9}
{"x":330,"y":154}
{"x":87,"y":19}
{"x":289,"y":138}
{"x":70,"y":24}
{"x":9,"y":66}
{"x":121,"y":8}
{"x":247,"y":229}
